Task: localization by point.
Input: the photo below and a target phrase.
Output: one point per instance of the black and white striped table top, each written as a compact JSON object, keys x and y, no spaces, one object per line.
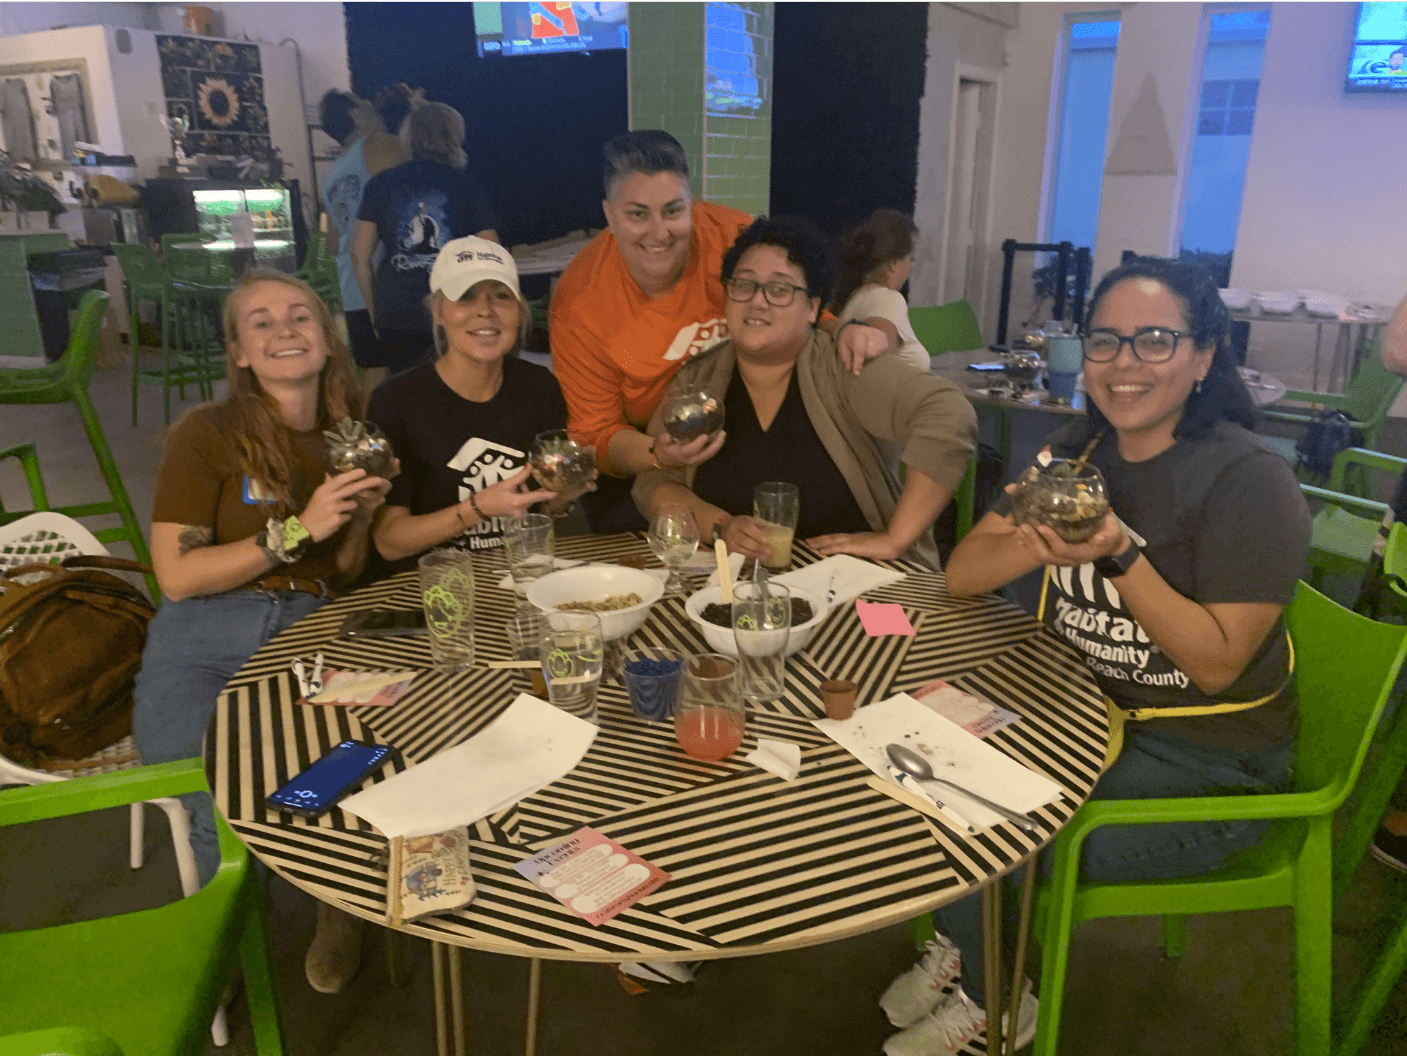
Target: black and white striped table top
{"x":758,"y":864}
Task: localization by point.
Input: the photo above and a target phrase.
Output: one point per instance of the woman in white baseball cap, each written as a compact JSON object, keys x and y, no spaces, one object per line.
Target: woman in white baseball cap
{"x":462,"y":424}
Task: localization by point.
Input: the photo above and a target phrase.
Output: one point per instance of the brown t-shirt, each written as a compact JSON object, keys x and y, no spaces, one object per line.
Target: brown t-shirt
{"x":201,"y":482}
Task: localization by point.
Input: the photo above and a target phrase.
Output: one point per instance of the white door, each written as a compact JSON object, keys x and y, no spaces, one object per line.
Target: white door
{"x":974,"y":108}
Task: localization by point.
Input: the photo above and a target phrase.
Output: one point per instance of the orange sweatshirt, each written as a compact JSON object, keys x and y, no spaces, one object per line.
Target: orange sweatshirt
{"x":614,"y":350}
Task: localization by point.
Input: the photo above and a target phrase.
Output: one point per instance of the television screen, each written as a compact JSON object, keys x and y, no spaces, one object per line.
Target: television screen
{"x":550,"y":26}
{"x":1379,"y":59}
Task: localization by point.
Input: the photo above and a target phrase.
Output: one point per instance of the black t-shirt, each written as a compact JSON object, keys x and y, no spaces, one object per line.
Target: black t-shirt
{"x":450,"y":446}
{"x":1222,"y":519}
{"x":788,"y":450}
{"x":418,"y":207}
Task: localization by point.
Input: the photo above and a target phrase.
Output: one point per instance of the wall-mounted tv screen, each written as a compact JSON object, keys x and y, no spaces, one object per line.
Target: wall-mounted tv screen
{"x":1379,"y":59}
{"x":549,"y":26}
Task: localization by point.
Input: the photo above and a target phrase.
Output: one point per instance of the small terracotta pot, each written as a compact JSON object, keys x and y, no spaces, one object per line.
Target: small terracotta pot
{"x":838,"y":695}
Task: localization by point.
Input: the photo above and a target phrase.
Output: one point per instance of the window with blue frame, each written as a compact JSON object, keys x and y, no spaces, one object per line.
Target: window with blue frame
{"x":1226,"y":115}
{"x":1078,"y":177}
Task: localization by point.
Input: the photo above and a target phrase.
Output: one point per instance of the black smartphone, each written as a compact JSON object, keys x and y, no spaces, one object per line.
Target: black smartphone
{"x":986,"y":367}
{"x":383,"y":623}
{"x":319,"y":787}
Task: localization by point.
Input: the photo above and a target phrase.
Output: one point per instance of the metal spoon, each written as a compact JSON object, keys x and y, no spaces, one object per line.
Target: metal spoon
{"x":916,"y":766}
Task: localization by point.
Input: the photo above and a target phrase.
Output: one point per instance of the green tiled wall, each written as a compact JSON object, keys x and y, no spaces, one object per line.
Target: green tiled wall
{"x":703,"y":72}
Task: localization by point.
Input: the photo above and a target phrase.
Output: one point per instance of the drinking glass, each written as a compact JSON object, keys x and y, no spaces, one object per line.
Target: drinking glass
{"x":674,"y":536}
{"x":709,"y":719}
{"x":447,"y":592}
{"x":652,"y":675}
{"x":572,"y":658}
{"x":525,"y":643}
{"x":691,"y":414}
{"x":779,"y":504}
{"x":559,"y":462}
{"x":761,"y":625}
{"x":528,"y":544}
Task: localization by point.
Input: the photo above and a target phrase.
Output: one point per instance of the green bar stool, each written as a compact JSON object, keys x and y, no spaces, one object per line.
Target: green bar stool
{"x":67,"y":382}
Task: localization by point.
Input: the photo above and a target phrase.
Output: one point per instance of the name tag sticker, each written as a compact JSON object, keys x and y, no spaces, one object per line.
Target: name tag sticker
{"x":256,"y":493}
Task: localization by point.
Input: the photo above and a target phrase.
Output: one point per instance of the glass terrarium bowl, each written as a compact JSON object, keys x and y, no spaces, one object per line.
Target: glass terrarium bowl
{"x":358,"y":445}
{"x":693,"y":413}
{"x":559,"y":462}
{"x":1022,"y":369}
{"x":1068,"y":496}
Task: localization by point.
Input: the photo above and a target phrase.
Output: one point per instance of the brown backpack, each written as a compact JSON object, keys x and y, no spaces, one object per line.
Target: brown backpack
{"x":71,"y":642}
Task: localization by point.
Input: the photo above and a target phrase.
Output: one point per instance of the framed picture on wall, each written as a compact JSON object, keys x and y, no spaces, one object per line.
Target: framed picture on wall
{"x":45,"y":109}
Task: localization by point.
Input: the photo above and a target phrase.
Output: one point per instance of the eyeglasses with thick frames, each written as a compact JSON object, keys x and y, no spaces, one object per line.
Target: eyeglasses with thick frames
{"x":778,"y":294}
{"x":1151,"y":344}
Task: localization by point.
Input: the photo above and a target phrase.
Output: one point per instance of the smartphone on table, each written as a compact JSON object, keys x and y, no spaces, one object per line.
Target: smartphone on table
{"x":383,"y":623}
{"x":318,"y":788}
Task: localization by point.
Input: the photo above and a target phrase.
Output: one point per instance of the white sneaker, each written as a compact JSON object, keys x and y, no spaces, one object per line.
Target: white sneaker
{"x":956,"y":1023}
{"x":918,"y":991}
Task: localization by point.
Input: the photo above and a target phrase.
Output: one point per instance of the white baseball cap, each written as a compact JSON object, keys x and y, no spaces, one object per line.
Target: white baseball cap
{"x":467,"y":261}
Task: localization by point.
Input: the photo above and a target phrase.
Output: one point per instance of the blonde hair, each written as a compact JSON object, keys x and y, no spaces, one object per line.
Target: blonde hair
{"x":525,"y":324}
{"x":435,"y":132}
{"x":249,"y":417}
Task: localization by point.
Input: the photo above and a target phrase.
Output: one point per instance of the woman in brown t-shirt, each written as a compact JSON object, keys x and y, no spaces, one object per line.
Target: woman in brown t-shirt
{"x":249,"y":535}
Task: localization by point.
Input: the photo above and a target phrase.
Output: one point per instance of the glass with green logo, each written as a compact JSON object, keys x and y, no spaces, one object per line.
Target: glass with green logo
{"x":447,"y":592}
{"x":572,"y":658}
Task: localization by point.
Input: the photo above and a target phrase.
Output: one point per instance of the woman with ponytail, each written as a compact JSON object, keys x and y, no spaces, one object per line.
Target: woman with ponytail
{"x":875,"y":261}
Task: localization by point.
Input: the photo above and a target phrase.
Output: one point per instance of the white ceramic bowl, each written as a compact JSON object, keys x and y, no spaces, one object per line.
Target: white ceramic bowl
{"x":596,"y":583}
{"x":720,"y":639}
{"x":1325,"y":304}
{"x":1280,"y":301}
{"x":1236,"y":300}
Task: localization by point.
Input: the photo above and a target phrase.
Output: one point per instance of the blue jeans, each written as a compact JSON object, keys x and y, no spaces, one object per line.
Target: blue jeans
{"x":1151,"y":767}
{"x":193,"y":648}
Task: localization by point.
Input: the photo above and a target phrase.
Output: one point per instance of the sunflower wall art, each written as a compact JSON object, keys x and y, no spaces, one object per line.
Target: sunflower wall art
{"x":218,"y":87}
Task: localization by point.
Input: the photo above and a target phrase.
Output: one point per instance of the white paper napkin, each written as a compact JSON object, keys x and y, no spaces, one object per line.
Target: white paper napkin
{"x":779,"y":757}
{"x":852,"y":578}
{"x":953,"y":753}
{"x":525,"y":749}
{"x":918,"y":788}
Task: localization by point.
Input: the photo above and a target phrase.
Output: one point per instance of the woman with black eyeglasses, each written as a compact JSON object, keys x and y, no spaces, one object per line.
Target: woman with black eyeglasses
{"x":1174,"y":603}
{"x":796,"y":413}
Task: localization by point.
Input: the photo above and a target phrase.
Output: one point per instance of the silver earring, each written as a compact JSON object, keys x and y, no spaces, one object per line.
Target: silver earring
{"x":1198,"y":386}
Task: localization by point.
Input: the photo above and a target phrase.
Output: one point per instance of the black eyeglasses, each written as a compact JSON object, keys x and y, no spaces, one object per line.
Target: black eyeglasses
{"x":1151,"y":344}
{"x":778,"y":294}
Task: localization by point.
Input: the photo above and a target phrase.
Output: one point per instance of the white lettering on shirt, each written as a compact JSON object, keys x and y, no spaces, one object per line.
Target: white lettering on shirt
{"x":695,"y":338}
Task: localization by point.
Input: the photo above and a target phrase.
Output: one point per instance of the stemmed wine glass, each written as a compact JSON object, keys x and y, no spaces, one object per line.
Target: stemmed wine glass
{"x":674,"y":536}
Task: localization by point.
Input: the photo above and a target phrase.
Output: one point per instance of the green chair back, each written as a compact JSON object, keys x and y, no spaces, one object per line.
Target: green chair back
{"x":1395,"y":559}
{"x":62,"y":1041}
{"x":1346,"y":526}
{"x":1345,"y":666}
{"x":150,"y":980}
{"x":141,"y":268}
{"x":951,"y":327}
{"x":1371,"y":391}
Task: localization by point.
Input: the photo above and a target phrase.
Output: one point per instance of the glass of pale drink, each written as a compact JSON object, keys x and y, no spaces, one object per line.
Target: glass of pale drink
{"x":779,"y":505}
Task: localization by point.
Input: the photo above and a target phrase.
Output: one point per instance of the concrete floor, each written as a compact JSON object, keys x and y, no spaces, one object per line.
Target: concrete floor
{"x":1231,"y":993}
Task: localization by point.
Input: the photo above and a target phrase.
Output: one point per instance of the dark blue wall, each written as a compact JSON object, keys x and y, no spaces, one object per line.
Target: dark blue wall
{"x":535,"y":123}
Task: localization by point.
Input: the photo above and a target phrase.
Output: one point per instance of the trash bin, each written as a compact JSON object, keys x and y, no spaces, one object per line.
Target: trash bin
{"x":60,"y":279}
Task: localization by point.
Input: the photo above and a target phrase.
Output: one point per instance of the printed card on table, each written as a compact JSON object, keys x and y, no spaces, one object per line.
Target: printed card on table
{"x":592,"y":875}
{"x":368,"y":688}
{"x":975,"y":716}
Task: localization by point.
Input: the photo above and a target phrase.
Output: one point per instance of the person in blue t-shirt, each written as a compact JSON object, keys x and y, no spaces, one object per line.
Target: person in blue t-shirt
{"x":411,"y":212}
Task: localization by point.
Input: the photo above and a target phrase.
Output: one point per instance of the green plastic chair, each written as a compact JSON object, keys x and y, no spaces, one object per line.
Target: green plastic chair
{"x":68,"y":383}
{"x":951,"y":327}
{"x":62,"y":1041}
{"x":1346,"y":526}
{"x":1366,"y":400}
{"x":148,"y":280}
{"x":148,"y":980}
{"x":1395,"y":560}
{"x":1345,"y":665}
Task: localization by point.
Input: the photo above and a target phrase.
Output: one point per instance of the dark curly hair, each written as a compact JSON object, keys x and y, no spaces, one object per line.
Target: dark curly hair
{"x":336,"y":114}
{"x":1224,"y":394}
{"x":804,"y":245}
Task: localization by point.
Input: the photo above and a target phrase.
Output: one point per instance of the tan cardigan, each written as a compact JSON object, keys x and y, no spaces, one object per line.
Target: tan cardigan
{"x":927,"y":418}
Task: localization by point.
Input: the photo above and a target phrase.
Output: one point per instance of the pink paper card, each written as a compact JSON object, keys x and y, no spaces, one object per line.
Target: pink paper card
{"x":883,"y":618}
{"x":592,"y":875}
{"x":361,"y":688}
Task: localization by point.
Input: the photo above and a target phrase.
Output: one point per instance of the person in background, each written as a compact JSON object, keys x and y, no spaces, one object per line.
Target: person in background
{"x":797,"y":414}
{"x":249,"y":535}
{"x":1390,"y":841}
{"x":1200,"y":551}
{"x":394,"y":104}
{"x":366,"y":151}
{"x":637,"y":303}
{"x":411,"y":212}
{"x":462,"y":425}
{"x":875,"y":261}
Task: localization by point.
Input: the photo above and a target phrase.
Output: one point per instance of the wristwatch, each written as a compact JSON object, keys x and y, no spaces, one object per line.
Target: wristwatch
{"x":284,"y":541}
{"x":1112,"y":566}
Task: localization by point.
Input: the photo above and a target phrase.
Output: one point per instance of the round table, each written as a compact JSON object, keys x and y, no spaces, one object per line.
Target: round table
{"x":758,"y":864}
